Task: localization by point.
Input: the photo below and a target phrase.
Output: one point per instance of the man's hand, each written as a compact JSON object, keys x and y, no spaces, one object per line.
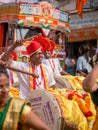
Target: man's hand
{"x":6,"y":55}
{"x":18,"y":43}
{"x":5,"y":63}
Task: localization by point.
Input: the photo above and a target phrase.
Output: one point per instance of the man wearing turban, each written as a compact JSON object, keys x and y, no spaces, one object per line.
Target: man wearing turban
{"x":27,"y":82}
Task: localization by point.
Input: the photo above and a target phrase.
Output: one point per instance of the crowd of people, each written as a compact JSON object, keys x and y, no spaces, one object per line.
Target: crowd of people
{"x":84,"y":62}
{"x":42,"y":63}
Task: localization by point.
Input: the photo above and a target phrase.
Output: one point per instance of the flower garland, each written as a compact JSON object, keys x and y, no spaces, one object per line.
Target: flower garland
{"x":84,"y":102}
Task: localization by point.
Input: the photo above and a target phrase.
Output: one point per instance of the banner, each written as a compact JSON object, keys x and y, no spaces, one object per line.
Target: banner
{"x":9,"y":1}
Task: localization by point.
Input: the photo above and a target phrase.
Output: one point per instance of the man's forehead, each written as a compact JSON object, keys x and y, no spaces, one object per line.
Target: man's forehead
{"x":37,"y":52}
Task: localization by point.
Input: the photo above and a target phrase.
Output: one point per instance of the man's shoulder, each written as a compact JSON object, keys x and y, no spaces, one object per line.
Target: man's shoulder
{"x":81,"y":58}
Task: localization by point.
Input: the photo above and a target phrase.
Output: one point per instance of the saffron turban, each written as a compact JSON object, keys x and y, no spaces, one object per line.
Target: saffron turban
{"x":43,"y":41}
{"x":33,"y":47}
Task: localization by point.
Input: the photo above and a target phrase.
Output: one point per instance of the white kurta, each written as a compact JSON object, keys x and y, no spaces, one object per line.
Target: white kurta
{"x":54,"y":65}
{"x":24,"y":79}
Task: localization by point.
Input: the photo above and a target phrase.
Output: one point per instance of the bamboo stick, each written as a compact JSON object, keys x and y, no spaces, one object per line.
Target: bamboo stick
{"x":30,"y":38}
{"x":21,"y":71}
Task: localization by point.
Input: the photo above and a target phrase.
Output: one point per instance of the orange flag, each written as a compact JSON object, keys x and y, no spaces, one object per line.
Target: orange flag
{"x":79,"y":6}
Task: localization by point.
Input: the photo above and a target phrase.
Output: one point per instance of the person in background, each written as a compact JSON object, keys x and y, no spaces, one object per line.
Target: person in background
{"x":83,"y":60}
{"x":54,"y":64}
{"x":28,"y":83}
{"x":95,"y":57}
{"x":24,"y":59}
{"x":10,"y":72}
{"x":23,"y":116}
{"x":90,"y":84}
{"x":72,"y":67}
{"x":52,"y":61}
{"x":67,"y":63}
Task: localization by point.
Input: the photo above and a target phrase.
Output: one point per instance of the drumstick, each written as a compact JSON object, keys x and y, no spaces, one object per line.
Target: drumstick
{"x":21,"y":71}
{"x":30,"y":38}
{"x":54,"y":36}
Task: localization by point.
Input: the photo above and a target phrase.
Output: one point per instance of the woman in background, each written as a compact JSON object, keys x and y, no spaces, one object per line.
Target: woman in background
{"x":83,"y":60}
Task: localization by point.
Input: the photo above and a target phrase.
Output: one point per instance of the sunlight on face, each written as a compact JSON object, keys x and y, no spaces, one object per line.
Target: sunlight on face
{"x":4,"y":87}
{"x":37,"y":57}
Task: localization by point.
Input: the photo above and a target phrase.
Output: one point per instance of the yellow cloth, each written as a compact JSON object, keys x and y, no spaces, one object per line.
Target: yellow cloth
{"x":76,"y":81}
{"x":25,"y":112}
{"x":96,"y":121}
{"x":71,"y":111}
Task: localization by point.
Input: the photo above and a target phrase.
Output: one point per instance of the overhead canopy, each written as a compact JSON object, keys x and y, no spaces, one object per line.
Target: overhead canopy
{"x":39,"y":15}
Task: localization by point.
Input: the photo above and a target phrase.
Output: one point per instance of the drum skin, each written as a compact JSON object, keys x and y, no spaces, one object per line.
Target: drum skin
{"x":46,"y":107}
{"x":63,"y":82}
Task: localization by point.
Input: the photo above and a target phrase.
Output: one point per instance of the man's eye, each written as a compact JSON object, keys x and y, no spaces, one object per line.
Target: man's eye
{"x":39,"y":54}
{"x":6,"y":85}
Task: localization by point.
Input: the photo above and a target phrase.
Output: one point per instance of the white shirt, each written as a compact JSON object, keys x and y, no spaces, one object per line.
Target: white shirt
{"x":24,"y":79}
{"x":83,"y":64}
{"x":54,"y":65}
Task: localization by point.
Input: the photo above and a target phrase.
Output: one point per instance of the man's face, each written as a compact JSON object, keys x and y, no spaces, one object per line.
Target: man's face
{"x":47,"y":54}
{"x":37,"y":57}
{"x":4,"y":88}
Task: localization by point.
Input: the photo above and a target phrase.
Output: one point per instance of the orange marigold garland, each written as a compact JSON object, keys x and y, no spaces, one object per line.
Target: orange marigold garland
{"x":84,"y":106}
{"x":84,"y":102}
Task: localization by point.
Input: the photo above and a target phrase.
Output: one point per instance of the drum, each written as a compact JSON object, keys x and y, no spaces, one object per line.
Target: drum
{"x":63,"y":82}
{"x":47,"y":107}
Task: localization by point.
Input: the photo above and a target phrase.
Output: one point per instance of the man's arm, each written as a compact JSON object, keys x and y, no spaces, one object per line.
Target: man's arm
{"x":64,"y":73}
{"x":90,"y":82}
{"x":6,"y":55}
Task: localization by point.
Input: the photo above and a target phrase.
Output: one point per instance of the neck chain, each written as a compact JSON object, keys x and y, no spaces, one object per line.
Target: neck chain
{"x":38,"y":70}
